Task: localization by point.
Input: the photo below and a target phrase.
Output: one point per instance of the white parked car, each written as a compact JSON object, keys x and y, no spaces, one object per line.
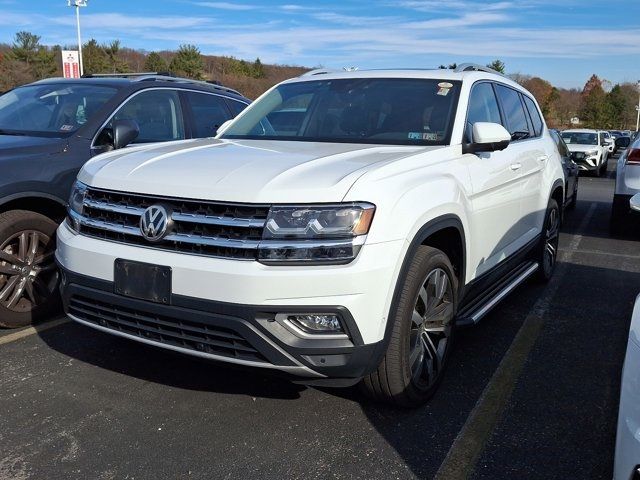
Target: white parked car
{"x":609,"y":140}
{"x":627,"y":457}
{"x":338,"y":230}
{"x":627,"y":184}
{"x":589,"y":149}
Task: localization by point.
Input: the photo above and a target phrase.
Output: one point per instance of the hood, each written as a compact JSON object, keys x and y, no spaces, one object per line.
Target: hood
{"x":11,"y":145}
{"x":252,"y":171}
{"x":576,"y":147}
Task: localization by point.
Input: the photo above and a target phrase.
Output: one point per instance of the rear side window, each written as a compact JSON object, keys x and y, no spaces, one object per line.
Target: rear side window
{"x":209,"y":112}
{"x":562,"y":147}
{"x":483,"y":107}
{"x":534,"y":114}
{"x":236,"y":106}
{"x":516,"y":119}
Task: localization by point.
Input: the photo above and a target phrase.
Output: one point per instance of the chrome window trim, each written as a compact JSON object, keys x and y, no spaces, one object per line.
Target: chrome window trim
{"x":138,"y":92}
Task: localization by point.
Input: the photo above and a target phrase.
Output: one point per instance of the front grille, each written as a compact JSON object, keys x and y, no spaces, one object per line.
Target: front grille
{"x":188,"y":334}
{"x":203,"y":228}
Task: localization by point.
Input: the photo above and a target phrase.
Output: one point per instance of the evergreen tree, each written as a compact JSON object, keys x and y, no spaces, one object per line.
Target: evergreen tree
{"x":116,"y":65}
{"x":258,"y":69}
{"x":497,"y":65}
{"x":94,"y":58}
{"x":155,"y":63}
{"x":188,"y":62}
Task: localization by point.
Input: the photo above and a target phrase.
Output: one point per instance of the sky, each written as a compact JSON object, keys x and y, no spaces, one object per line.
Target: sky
{"x":563,"y":41}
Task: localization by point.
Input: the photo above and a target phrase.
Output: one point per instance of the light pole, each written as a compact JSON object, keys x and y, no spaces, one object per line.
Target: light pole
{"x":77,"y":4}
{"x":638,"y":108}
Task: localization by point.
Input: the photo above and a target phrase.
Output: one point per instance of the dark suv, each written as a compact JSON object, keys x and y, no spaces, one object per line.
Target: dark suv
{"x":48,"y":130}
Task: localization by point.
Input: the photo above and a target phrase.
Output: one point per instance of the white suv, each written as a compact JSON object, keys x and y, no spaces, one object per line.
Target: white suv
{"x":589,"y":149}
{"x":338,"y":230}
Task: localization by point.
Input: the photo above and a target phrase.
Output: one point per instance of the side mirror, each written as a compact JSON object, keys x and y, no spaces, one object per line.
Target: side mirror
{"x":124,"y":132}
{"x":487,"y":137}
{"x":223,"y":127}
{"x":634,"y":203}
{"x":623,"y":142}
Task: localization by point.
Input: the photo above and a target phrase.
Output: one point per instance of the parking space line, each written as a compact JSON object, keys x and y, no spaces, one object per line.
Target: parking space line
{"x":472,"y":439}
{"x":599,"y":252}
{"x":12,"y":337}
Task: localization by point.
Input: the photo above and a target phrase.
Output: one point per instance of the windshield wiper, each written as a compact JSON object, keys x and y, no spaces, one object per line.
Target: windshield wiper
{"x":11,"y":132}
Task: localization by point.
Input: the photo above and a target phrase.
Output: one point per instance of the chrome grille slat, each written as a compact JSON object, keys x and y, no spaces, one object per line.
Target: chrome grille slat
{"x":214,"y":229}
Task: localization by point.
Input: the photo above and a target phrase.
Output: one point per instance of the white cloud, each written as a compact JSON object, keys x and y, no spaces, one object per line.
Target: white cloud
{"x":225,"y":5}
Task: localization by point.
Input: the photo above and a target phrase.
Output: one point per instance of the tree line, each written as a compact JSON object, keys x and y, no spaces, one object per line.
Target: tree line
{"x":26,"y":60}
{"x":597,"y":105}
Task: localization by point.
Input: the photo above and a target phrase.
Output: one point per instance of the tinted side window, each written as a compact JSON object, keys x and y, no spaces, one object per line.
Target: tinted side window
{"x":535,"y":115}
{"x":157,"y":113}
{"x":483,"y":107}
{"x":236,"y":107}
{"x":562,"y":147}
{"x":516,"y":120}
{"x":209,"y":112}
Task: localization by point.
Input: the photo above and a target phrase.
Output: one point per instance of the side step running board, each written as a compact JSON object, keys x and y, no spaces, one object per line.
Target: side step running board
{"x":477,"y":310}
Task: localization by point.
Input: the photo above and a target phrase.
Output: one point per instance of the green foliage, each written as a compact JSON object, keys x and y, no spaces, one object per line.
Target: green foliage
{"x":452,"y":66}
{"x":94,"y":58}
{"x":116,"y":65}
{"x":188,"y":62}
{"x":497,"y":65}
{"x":155,"y":63}
{"x":40,"y":60}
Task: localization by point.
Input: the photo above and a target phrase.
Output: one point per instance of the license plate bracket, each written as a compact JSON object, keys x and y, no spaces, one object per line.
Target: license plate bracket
{"x":144,"y":281}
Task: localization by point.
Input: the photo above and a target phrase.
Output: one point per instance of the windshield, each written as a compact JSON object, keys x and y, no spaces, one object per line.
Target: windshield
{"x":356,"y":110}
{"x":580,"y":138}
{"x":50,"y":110}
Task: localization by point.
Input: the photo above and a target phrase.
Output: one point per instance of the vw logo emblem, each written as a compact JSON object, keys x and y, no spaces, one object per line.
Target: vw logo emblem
{"x":154,"y":223}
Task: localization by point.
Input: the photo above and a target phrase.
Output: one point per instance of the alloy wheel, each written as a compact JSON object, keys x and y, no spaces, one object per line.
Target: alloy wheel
{"x":28,"y":276}
{"x":551,"y":239}
{"x":431,"y":327}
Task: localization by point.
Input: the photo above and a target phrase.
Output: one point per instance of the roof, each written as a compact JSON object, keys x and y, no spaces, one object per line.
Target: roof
{"x":140,"y":79}
{"x":582,"y":130}
{"x":465,"y":72}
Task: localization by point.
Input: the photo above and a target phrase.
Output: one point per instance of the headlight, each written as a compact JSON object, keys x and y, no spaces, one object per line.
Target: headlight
{"x":591,"y":153}
{"x":76,"y":204}
{"x":315,"y":233}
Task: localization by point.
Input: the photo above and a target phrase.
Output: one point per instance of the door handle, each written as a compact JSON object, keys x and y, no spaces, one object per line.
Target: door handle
{"x":515,"y":166}
{"x":543,"y":158}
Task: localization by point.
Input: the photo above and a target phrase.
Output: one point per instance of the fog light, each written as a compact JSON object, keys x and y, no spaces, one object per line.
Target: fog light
{"x":317,"y":323}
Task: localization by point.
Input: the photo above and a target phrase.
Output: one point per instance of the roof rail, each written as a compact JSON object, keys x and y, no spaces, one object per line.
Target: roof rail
{"x":474,"y":67}
{"x":318,"y":71}
{"x":164,"y":77}
{"x":126,"y":75}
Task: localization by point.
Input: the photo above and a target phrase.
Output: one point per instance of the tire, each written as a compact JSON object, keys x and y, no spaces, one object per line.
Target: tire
{"x":547,"y":253}
{"x":574,"y":198}
{"x":618,"y":223}
{"x":416,"y":357}
{"x":28,"y":277}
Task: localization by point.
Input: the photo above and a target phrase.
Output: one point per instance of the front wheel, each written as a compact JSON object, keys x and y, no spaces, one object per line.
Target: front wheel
{"x":28,"y":276}
{"x":548,"y":248}
{"x":422,"y":333}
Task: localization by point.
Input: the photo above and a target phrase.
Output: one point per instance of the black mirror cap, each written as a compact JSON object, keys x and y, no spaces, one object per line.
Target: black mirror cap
{"x":124,"y":132}
{"x":484,"y":147}
{"x":623,"y":142}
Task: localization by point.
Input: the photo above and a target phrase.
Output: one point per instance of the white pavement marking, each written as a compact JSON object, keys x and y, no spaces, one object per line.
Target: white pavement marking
{"x":12,"y":337}
{"x":472,"y":439}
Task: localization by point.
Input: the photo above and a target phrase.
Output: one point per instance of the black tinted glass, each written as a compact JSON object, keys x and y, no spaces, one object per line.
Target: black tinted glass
{"x":209,"y":112}
{"x":483,"y":107}
{"x":516,"y":120}
{"x":535,"y":115}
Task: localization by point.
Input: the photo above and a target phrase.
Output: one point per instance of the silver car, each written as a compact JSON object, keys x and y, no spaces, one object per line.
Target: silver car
{"x":627,"y":183}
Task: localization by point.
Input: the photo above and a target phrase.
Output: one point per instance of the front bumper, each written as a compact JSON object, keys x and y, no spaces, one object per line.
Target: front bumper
{"x":226,"y":310}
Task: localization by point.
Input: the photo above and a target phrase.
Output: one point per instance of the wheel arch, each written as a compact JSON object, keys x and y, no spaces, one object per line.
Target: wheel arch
{"x":42,"y":203}
{"x":445,"y":232}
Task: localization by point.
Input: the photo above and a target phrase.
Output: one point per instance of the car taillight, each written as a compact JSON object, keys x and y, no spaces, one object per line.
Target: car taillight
{"x":633,"y":158}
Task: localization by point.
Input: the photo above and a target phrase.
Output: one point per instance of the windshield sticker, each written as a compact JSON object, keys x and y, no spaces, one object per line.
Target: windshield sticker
{"x":445,"y":85}
{"x":423,"y":136}
{"x":66,"y":128}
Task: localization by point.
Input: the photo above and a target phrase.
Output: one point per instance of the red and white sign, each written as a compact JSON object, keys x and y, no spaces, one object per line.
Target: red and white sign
{"x":70,"y":64}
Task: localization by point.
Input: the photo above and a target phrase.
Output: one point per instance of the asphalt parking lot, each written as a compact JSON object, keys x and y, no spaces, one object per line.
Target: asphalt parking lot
{"x":531,"y":392}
